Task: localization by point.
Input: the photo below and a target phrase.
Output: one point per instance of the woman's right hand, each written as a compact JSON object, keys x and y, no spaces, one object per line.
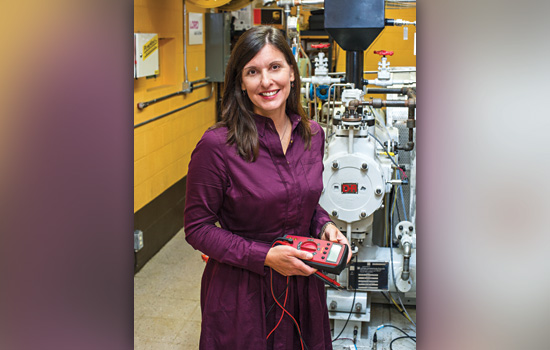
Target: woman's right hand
{"x":286,"y":261}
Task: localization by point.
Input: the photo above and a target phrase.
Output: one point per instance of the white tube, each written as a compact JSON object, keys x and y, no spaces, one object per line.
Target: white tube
{"x":350,"y":139}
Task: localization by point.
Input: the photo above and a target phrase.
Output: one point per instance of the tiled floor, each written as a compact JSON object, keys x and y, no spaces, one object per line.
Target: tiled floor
{"x":167,"y":312}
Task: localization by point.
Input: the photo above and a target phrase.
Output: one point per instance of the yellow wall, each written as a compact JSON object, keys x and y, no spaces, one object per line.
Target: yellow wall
{"x":162,"y":149}
{"x":391,"y":39}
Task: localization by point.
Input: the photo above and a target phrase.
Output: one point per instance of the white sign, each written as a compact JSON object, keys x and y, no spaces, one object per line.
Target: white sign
{"x":243,"y":18}
{"x":195,"y":29}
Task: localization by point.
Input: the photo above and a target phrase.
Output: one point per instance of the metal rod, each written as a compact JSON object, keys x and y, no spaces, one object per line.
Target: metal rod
{"x":175,"y":110}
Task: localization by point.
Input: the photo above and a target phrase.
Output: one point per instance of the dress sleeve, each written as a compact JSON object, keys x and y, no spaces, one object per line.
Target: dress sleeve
{"x":207,"y":180}
{"x":320,"y":215}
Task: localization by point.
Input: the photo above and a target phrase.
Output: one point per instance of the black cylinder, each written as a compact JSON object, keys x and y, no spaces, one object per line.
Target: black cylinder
{"x":354,"y":68}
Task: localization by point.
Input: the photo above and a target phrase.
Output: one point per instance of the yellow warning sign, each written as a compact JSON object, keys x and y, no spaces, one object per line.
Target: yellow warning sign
{"x":150,"y":47}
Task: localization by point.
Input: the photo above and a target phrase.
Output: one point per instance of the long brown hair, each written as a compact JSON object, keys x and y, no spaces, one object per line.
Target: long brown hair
{"x":237,"y":109}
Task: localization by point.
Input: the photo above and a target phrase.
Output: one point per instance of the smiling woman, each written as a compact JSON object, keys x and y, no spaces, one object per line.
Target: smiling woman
{"x":261,"y":64}
{"x":267,"y":79}
{"x":259,"y":174}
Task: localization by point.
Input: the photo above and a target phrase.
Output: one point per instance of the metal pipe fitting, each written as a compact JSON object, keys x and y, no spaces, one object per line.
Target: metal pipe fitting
{"x":406,"y":259}
{"x":379,"y":103}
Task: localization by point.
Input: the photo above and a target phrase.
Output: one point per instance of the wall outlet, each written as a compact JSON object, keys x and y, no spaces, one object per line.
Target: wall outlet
{"x":138,"y":240}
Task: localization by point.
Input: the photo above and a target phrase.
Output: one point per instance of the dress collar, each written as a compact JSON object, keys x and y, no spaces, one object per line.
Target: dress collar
{"x":263,"y":122}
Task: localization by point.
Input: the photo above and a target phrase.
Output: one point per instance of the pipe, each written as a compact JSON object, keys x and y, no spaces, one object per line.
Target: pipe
{"x":354,"y":68}
{"x":406,"y":259}
{"x":411,"y":123}
{"x":398,"y":22}
{"x":379,"y":103}
{"x":410,"y":103}
{"x":411,"y":92}
{"x":184,"y":45}
{"x":401,"y":91}
{"x":142,"y":105}
{"x":175,"y":110}
{"x":376,"y":72}
{"x":200,"y":80}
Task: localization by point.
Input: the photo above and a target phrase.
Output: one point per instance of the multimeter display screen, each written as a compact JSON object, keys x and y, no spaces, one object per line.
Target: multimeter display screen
{"x":333,"y":254}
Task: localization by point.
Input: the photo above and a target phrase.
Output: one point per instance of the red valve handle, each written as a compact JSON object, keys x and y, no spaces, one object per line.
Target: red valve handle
{"x":384,"y":53}
{"x":320,"y":46}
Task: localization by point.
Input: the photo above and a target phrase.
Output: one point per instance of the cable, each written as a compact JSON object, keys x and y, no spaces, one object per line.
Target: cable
{"x":401,"y":311}
{"x":349,"y":340}
{"x":408,"y":336}
{"x":375,"y":339}
{"x":396,"y":306}
{"x":402,"y":199}
{"x":282,"y":307}
{"x":398,"y":212}
{"x":375,"y":113}
{"x":278,"y":298}
{"x":392,"y":326}
{"x":350,"y":311}
{"x":405,"y":310}
{"x":389,"y":156}
{"x":345,"y":339}
{"x":302,"y":342}
{"x":388,"y":153}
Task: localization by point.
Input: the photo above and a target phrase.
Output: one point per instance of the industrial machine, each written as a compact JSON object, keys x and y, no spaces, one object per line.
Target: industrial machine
{"x":369,"y":163}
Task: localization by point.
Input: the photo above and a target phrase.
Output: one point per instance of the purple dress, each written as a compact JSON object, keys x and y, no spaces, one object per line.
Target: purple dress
{"x":255,"y":203}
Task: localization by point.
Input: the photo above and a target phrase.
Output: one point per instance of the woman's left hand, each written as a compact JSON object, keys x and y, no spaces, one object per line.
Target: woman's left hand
{"x":333,"y":234}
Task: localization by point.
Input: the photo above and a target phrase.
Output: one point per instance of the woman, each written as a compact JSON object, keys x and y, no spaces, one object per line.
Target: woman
{"x":259,"y":174}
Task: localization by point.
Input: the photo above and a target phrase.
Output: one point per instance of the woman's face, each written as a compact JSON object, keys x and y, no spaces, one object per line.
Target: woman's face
{"x":266,"y":79}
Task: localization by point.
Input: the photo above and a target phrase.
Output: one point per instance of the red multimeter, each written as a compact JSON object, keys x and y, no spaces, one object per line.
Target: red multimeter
{"x":327,"y":256}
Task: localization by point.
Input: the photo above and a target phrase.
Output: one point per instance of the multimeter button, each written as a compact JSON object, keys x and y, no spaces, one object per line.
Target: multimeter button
{"x":326,"y":248}
{"x":328,"y":243}
{"x":324,"y":252}
{"x":322,"y":257}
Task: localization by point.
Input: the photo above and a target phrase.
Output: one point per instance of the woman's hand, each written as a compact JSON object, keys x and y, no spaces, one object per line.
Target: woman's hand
{"x":286,"y":261}
{"x":333,"y":234}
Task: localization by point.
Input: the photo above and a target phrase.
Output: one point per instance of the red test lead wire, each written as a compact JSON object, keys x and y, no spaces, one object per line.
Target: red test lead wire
{"x":284,"y":304}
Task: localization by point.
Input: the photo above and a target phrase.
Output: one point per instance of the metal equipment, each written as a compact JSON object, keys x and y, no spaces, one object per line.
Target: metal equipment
{"x":363,"y":165}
